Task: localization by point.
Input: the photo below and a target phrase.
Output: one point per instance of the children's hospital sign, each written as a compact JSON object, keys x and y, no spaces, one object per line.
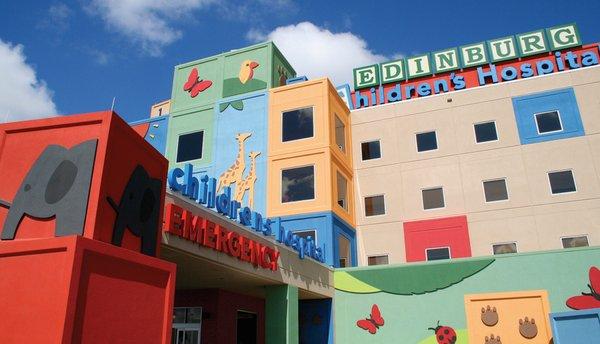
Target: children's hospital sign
{"x":508,"y":58}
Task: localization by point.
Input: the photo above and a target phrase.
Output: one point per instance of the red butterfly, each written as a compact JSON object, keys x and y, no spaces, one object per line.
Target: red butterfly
{"x":373,"y":323}
{"x":194,"y":85}
{"x":588,"y":300}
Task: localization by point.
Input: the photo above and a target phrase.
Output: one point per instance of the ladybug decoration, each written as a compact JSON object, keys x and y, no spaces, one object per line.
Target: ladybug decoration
{"x":444,"y":334}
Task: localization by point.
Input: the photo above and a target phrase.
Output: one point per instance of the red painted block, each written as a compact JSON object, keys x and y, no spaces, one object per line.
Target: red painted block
{"x":76,"y":290}
{"x":449,"y":232}
{"x":89,"y":175}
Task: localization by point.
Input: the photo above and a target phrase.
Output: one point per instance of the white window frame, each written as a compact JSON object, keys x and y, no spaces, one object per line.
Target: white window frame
{"x":307,"y":230}
{"x":437,"y":248}
{"x":313,"y":124}
{"x":490,"y":141}
{"x":537,"y":128}
{"x":504,"y":243}
{"x":378,"y":255}
{"x":574,"y":236}
{"x":380,"y":150}
{"x":384,"y":209}
{"x":562,"y":193}
{"x":433,"y":188}
{"x":495,"y":180}
{"x":437,"y":143}
{"x":281,"y":183}
{"x":186,"y":133}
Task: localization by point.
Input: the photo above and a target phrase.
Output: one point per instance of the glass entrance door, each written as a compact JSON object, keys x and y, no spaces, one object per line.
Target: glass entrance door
{"x":187,"y":325}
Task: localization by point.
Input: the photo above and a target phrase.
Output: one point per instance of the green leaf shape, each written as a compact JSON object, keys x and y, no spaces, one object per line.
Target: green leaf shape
{"x":344,"y":281}
{"x":410,"y":279}
{"x":238,"y":105}
{"x":223,"y":106}
{"x":233,"y":86}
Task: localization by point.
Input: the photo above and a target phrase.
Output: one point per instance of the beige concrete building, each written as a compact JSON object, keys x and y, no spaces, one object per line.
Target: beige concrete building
{"x":508,"y":167}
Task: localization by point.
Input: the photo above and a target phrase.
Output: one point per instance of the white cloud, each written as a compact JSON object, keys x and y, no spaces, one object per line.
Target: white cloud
{"x":22,"y":95}
{"x":317,"y":52}
{"x":147,"y":22}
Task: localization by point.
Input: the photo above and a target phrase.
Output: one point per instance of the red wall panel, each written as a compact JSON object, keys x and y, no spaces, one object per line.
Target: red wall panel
{"x":450,"y":231}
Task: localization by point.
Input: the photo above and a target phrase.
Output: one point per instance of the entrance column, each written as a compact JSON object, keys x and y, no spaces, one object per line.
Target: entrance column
{"x":281,"y":314}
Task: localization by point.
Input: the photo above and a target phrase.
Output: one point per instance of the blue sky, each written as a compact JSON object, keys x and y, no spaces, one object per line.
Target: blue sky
{"x":75,"y":56}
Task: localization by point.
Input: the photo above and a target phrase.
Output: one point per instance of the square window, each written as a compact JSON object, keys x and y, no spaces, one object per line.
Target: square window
{"x":510,"y":247}
{"x":342,"y":191}
{"x":426,"y":141}
{"x":575,"y":241}
{"x":378,"y":260}
{"x":374,"y":205}
{"x":438,"y":253}
{"x":189,"y":146}
{"x":495,"y":190}
{"x":485,"y":132}
{"x":306,"y":234}
{"x":562,"y":182}
{"x":433,"y":198}
{"x":548,"y":122}
{"x":370,"y":150}
{"x":298,"y":184}
{"x":340,"y":134}
{"x":297,"y":124}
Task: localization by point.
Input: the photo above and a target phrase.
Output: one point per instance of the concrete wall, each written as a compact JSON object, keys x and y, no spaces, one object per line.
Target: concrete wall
{"x":532,"y":217}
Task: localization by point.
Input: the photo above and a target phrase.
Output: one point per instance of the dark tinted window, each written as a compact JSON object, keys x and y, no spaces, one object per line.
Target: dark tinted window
{"x":297,"y":124}
{"x":426,"y":141}
{"x":433,"y":198}
{"x":548,"y":122}
{"x":378,"y":260}
{"x":561,"y":182}
{"x":189,"y":146}
{"x":298,"y":184}
{"x":505,"y":248}
{"x":495,"y":190}
{"x":374,"y":205}
{"x":438,"y":253}
{"x":485,"y":132}
{"x":370,"y":150}
{"x":578,"y":241}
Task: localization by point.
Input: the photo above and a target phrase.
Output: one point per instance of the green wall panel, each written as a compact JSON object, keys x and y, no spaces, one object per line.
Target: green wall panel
{"x":562,"y":273}
{"x":189,"y":122}
{"x":281,"y":314}
{"x":208,"y":69}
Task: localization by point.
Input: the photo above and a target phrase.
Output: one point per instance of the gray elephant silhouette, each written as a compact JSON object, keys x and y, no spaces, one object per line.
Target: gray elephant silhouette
{"x":56,"y":186}
{"x":138,"y":210}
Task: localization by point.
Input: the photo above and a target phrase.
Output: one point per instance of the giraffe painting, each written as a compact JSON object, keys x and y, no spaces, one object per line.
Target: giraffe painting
{"x":235,"y":172}
{"x":248,"y":183}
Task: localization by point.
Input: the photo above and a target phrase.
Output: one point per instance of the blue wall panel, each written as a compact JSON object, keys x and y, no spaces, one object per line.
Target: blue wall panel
{"x":247,"y":114}
{"x":328,"y":227}
{"x":563,"y":100}
{"x":157,"y":131}
{"x":578,"y":327}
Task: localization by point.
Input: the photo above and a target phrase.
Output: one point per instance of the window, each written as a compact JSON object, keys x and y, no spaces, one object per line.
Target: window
{"x":438,"y":253}
{"x":298,"y":184}
{"x":344,"y":251}
{"x":342,"y":191}
{"x":378,"y":260}
{"x":548,"y":122}
{"x":340,"y":134}
{"x":307,"y":233}
{"x":575,"y":241}
{"x":433,"y":198}
{"x":509,"y":247}
{"x":495,"y":190}
{"x":370,"y":150}
{"x":426,"y":141}
{"x":562,"y":182}
{"x":485,"y":132}
{"x":374,"y":205}
{"x":186,"y":325}
{"x":189,"y":146}
{"x":297,"y":124}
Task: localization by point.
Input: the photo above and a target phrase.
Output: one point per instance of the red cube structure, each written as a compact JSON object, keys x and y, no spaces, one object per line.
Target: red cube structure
{"x":81,"y":204}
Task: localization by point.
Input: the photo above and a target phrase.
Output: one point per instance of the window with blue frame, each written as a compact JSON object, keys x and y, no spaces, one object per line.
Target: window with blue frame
{"x":547,"y":116}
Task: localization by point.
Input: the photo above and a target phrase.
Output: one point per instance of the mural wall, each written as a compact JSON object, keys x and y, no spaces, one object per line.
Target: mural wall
{"x":435,"y":302}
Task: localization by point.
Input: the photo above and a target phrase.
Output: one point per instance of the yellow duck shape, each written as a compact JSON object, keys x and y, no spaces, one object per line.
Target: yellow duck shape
{"x":247,"y":70}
